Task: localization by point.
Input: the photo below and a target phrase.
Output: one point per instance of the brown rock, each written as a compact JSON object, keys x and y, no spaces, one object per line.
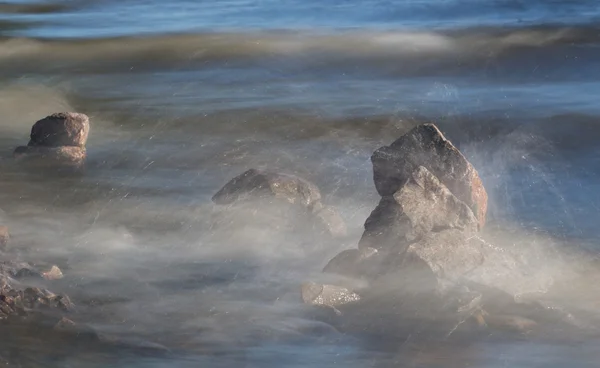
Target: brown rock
{"x":420,"y":206}
{"x":4,"y":237}
{"x":426,"y":146}
{"x":61,"y":129}
{"x":270,"y":184}
{"x":65,"y":156}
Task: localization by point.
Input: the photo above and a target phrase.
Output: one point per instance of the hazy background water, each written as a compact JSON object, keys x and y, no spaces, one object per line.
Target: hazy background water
{"x":183,"y":95}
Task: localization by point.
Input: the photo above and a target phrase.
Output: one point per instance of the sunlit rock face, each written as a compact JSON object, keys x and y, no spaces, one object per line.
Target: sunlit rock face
{"x":426,"y":146}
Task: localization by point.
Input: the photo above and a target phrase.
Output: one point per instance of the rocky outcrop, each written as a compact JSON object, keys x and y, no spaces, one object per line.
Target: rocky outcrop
{"x":267,"y":185}
{"x":57,"y":140}
{"x":426,"y":146}
{"x":422,"y":254}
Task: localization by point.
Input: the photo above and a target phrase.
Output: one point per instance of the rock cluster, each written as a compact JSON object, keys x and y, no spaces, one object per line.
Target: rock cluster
{"x":421,"y":252}
{"x":58,"y":139}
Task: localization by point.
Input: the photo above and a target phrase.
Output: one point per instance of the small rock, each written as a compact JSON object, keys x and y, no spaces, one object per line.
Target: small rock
{"x":53,"y":274}
{"x":426,"y":146}
{"x":420,"y":206}
{"x":64,"y":324}
{"x":61,"y":129}
{"x":327,"y":295}
{"x":271,"y":184}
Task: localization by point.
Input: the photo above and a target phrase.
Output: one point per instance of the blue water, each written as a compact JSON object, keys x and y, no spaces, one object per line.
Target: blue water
{"x":134,"y":17}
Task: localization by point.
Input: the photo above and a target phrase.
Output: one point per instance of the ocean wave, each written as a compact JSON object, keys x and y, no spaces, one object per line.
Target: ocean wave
{"x":198,"y":50}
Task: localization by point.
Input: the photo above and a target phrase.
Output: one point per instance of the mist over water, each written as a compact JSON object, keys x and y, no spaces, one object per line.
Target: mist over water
{"x":185,"y":95}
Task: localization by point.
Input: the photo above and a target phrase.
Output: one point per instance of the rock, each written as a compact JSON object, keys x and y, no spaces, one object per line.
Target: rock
{"x":327,"y":295}
{"x":260,"y":183}
{"x":426,"y":146}
{"x":22,"y":270}
{"x":355,"y":263}
{"x":420,"y":206}
{"x":4,"y":237}
{"x":22,"y":303}
{"x":257,"y":185}
{"x":53,"y":274}
{"x":61,"y":129}
{"x":65,"y":156}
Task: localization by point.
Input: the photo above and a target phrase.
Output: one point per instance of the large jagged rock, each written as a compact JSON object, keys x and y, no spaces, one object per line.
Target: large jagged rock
{"x":426,"y":266}
{"x":259,"y":184}
{"x":426,"y":146}
{"x":61,"y":129}
{"x":57,"y":141}
{"x":420,"y":206}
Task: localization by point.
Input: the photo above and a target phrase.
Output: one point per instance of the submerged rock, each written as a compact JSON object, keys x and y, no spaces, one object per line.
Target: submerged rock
{"x":329,"y":219}
{"x":259,"y":183}
{"x":61,"y":129}
{"x":65,"y":156}
{"x":426,"y":146}
{"x":267,"y":185}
